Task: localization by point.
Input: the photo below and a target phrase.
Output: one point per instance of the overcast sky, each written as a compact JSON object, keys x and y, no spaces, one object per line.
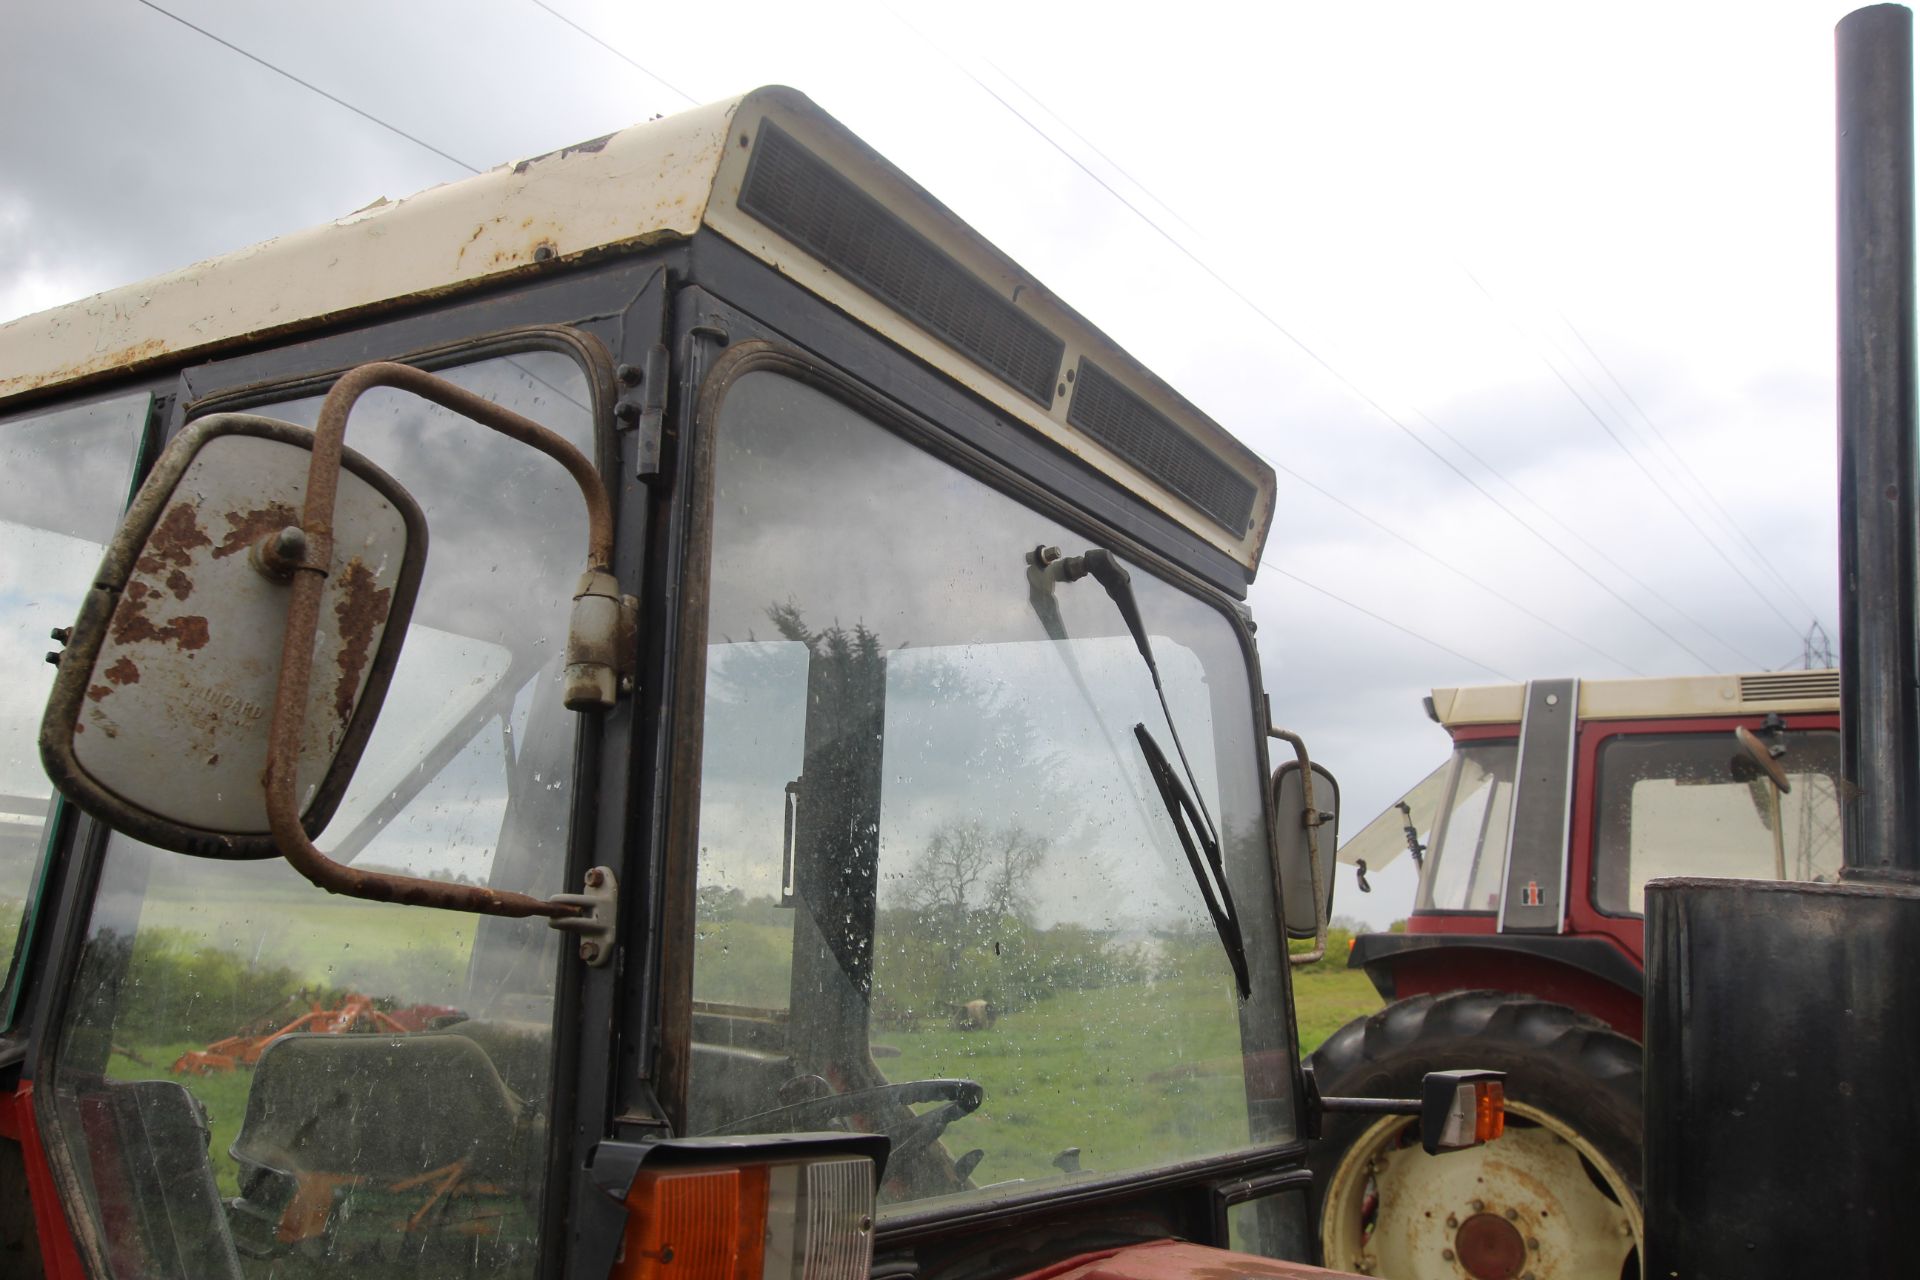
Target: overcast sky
{"x":1591,"y":247}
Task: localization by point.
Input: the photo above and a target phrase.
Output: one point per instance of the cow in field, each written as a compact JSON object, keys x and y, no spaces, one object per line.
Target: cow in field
{"x":974,"y":1015}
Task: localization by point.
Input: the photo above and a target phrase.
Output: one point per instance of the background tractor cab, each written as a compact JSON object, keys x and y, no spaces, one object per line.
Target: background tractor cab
{"x":700,"y":542}
{"x":1525,"y":950}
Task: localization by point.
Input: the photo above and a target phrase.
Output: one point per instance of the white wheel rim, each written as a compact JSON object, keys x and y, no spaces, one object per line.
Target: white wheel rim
{"x":1522,"y":1207}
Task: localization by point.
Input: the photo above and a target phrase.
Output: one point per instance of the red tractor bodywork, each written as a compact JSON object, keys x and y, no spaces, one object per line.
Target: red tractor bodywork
{"x":1595,"y":963}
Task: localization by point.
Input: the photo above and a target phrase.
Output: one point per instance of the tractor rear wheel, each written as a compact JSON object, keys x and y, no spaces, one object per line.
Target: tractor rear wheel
{"x":1556,"y":1198}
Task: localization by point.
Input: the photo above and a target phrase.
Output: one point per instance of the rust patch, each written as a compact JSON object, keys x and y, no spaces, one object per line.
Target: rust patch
{"x":180,"y":584}
{"x":98,"y":691}
{"x":173,"y":540}
{"x":360,"y":608}
{"x":244,"y":528}
{"x":123,"y":672}
{"x":131,"y":625}
{"x":213,"y":760}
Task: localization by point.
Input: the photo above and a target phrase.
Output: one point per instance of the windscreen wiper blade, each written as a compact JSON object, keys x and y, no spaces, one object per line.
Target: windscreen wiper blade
{"x":1209,"y":869}
{"x":1191,"y":820}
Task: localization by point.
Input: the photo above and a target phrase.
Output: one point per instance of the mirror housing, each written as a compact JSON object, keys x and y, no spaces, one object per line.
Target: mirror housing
{"x":1306,"y":847}
{"x":1763,"y":758}
{"x":160,"y":715}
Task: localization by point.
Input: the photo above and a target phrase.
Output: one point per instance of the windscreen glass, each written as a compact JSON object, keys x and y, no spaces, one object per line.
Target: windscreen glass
{"x":260,"y":1079}
{"x":1468,"y":848}
{"x":1695,"y":804}
{"x":63,"y":481}
{"x":938,"y":894}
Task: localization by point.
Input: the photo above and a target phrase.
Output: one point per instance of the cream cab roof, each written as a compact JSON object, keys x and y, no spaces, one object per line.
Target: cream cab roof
{"x":650,"y":184}
{"x":1720,"y":695}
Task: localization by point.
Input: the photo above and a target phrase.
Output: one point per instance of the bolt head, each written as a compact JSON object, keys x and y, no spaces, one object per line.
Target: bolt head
{"x":1452,"y":1221}
{"x":595,"y":877}
{"x":1512,"y":1214}
{"x":589,"y":951}
{"x":1479,"y":1206}
{"x":1446,"y":1255}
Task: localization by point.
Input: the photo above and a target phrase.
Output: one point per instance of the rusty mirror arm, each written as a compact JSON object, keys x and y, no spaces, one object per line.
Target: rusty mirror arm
{"x":597,"y":652}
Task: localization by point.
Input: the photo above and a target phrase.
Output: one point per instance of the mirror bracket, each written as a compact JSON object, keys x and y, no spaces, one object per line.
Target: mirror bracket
{"x":602,"y":643}
{"x":598,"y":904}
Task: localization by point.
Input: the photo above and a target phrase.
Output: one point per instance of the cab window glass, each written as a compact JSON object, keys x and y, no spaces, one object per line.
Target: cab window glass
{"x":64,"y":476}
{"x":938,"y":893}
{"x":1468,"y":853}
{"x":322,"y":1086}
{"x":1694,"y":804}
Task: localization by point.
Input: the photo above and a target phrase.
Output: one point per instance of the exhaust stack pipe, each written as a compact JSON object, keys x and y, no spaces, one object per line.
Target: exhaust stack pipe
{"x":1783,"y":1019}
{"x":1879,"y":533}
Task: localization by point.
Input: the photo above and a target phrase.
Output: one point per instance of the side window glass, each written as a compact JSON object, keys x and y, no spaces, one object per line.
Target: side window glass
{"x":933,"y":871}
{"x":319,"y":1085}
{"x":64,"y":476}
{"x":1469,"y":845}
{"x":1692,"y":805}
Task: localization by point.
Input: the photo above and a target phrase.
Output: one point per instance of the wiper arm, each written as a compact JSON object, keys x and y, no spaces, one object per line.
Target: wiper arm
{"x":1211,"y":874}
{"x":1191,"y":820}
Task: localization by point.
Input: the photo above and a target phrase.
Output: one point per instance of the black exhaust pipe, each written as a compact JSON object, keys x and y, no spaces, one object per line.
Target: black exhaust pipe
{"x":1879,"y":536}
{"x":1783,"y":1020}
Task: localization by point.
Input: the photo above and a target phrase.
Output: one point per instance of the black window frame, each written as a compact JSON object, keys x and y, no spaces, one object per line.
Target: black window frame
{"x":920,"y":406}
{"x":603,"y":318}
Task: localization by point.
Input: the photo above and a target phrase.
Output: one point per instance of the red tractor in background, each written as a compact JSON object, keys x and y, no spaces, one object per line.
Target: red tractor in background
{"x":1525,"y":949}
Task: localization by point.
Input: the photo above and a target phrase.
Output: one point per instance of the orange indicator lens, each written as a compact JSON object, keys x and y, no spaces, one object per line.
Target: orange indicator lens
{"x":1490,"y":1110}
{"x":697,"y":1224}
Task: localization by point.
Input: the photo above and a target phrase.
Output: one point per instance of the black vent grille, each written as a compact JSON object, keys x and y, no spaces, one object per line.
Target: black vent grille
{"x":792,"y":191}
{"x":1780,"y":686}
{"x":1148,"y":439}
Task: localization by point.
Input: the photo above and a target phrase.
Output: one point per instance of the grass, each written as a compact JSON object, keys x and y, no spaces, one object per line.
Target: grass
{"x":1326,"y":999}
{"x":1086,"y":1069}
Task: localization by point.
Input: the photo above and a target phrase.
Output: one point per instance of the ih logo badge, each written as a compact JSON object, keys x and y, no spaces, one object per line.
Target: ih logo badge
{"x":1531,"y":897}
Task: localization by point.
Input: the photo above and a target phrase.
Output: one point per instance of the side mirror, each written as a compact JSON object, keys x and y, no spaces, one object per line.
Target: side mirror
{"x":228,"y":665}
{"x":1306,"y":817}
{"x":159,"y":720}
{"x":1308,"y":833}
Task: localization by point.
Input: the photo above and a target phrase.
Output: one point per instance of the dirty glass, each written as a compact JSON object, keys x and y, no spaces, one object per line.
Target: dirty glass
{"x":311,"y":1085}
{"x":1694,"y":804}
{"x":64,"y":476}
{"x":938,"y":894}
{"x":1468,"y":849}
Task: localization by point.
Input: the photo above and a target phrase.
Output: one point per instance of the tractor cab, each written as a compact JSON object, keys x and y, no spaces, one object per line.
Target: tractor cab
{"x":1537,"y":836}
{"x":663,"y":711}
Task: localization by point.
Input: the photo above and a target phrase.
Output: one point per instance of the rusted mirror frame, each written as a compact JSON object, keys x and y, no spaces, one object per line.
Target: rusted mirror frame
{"x":103,"y":597}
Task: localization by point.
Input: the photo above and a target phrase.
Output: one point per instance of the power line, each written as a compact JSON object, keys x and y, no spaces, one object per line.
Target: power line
{"x":1090,"y":145}
{"x":1389,"y":622}
{"x":1462,"y":574}
{"x":1643,"y":468}
{"x":650,"y":74}
{"x":1582,"y":539}
{"x":1699,"y":483}
{"x":1344,"y":381}
{"x":305,"y":84}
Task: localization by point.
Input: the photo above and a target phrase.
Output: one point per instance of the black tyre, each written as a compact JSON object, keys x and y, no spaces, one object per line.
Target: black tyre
{"x":1557,"y":1197}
